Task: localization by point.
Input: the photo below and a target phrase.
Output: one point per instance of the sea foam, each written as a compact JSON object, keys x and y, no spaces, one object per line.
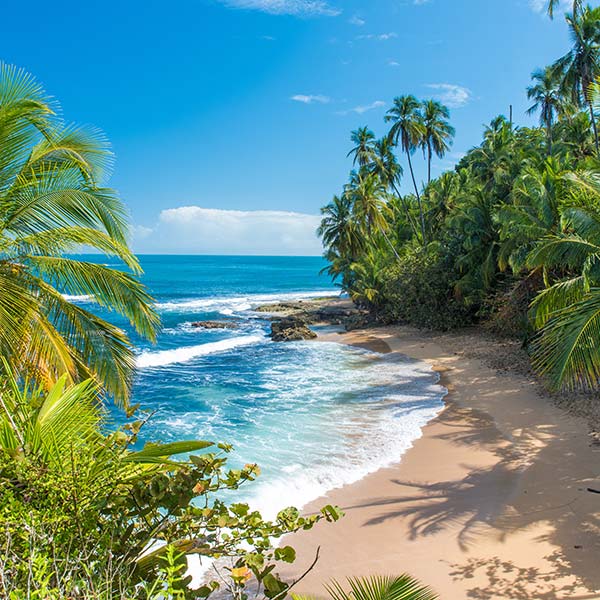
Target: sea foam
{"x":187,"y":353}
{"x":227,"y":305}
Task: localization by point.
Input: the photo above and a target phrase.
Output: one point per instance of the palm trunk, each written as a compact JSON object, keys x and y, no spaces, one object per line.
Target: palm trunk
{"x":411,"y":221}
{"x":549,"y":140}
{"x":429,"y":161}
{"x":594,"y":127}
{"x":387,"y":239}
{"x":421,"y":215}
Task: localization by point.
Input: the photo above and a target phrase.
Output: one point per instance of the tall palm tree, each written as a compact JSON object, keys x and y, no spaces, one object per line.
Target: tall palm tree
{"x":408,"y":131}
{"x":389,"y":170}
{"x":546,"y":96}
{"x":554,"y":4}
{"x":580,"y":67}
{"x":363,"y":151}
{"x":438,"y":133}
{"x":52,"y":202}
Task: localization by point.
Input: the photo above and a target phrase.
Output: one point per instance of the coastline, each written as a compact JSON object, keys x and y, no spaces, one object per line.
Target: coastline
{"x":491,"y":502}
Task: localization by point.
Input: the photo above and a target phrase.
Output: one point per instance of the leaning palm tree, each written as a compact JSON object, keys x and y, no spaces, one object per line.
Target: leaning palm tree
{"x":408,"y":131}
{"x":438,"y":132}
{"x":403,"y":587}
{"x":338,"y":229}
{"x":53,"y":202}
{"x":367,"y":195}
{"x":580,"y":67}
{"x":547,"y":99}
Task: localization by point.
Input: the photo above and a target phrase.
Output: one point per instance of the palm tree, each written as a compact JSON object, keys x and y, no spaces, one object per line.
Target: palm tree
{"x":53,"y":202}
{"x":403,"y":587}
{"x":545,"y":93}
{"x":408,"y":130}
{"x":580,"y":67}
{"x":389,"y":170}
{"x":367,"y":195}
{"x":338,"y":229}
{"x":567,"y":313}
{"x":363,"y":152}
{"x":438,"y":133}
{"x":553,"y":4}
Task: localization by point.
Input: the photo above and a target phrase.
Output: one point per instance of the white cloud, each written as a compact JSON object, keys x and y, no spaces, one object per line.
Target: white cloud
{"x":286,"y":7}
{"x":382,"y":37}
{"x":311,"y":99}
{"x":361,"y":109}
{"x":356,"y":20}
{"x":197,"y":230}
{"x":393,"y":63}
{"x":450,"y":94}
{"x":420,"y":2}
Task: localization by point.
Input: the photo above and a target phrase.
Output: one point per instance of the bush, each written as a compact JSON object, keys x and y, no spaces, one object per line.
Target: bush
{"x":419,"y":290}
{"x":83,"y":515}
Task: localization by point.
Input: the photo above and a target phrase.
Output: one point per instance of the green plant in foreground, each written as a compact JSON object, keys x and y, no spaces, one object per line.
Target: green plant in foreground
{"x":85,"y":515}
{"x":403,"y":587}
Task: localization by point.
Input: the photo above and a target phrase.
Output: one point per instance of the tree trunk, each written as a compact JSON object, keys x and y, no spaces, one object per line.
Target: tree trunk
{"x":412,"y":174}
{"x":429,"y":162}
{"x":406,"y":210}
{"x":594,"y":126}
{"x":387,"y":239}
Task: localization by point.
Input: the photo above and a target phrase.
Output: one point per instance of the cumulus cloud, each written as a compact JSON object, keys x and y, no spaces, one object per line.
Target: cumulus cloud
{"x":197,"y":230}
{"x":311,"y":99}
{"x":286,"y":7}
{"x":361,"y":109}
{"x":451,"y":95}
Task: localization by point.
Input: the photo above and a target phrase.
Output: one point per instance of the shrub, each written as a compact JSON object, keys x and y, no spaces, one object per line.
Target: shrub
{"x":419,"y":290}
{"x":83,"y":515}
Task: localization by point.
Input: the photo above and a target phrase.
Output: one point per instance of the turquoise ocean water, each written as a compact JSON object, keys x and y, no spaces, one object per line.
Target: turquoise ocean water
{"x":314,"y":416}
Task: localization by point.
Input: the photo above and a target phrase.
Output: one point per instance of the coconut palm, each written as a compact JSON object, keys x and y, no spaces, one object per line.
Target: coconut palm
{"x":338,"y":229}
{"x":546,"y":96}
{"x":403,"y":587}
{"x":363,"y":152}
{"x":567,"y":313}
{"x":533,"y":214}
{"x":580,"y":67}
{"x":408,"y":131}
{"x":438,"y":133}
{"x":554,"y":4}
{"x":52,"y":202}
{"x":367,"y":195}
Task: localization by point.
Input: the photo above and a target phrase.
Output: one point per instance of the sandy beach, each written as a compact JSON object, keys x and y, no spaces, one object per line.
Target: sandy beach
{"x":493,"y":500}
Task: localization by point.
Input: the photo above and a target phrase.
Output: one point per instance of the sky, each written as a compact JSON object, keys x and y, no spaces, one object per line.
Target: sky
{"x":230,"y":119}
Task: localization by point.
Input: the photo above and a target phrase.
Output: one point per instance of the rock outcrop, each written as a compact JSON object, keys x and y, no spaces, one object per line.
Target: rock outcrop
{"x":291,"y":329}
{"x":216,"y":324}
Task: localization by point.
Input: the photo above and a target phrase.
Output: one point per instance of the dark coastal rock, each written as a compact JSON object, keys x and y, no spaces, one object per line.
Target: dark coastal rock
{"x":291,"y":329}
{"x":216,"y":324}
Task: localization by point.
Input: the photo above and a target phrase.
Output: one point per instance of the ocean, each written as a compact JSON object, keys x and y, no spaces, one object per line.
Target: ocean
{"x":313,"y":416}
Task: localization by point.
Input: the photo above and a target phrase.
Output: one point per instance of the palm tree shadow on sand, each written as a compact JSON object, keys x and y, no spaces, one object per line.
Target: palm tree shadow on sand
{"x":491,"y":501}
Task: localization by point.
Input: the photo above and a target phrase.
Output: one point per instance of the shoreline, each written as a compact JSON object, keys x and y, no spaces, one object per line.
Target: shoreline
{"x":490,"y":502}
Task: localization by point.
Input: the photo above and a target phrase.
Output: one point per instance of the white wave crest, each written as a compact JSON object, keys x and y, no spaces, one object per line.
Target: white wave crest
{"x":187,"y":353}
{"x":75,"y":298}
{"x":229,"y":304}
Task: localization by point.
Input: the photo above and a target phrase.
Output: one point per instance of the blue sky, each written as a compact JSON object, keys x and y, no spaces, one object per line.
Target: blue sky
{"x":240,"y":106}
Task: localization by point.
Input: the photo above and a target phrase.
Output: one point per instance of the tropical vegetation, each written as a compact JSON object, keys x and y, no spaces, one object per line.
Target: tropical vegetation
{"x":87,"y":511}
{"x":508,"y":238}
